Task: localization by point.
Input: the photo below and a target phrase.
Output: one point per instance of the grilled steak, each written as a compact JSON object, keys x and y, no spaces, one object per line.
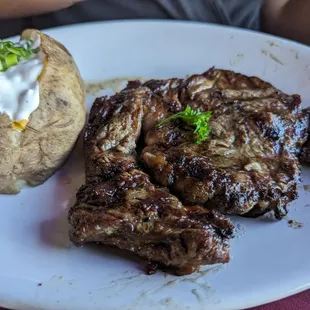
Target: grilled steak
{"x":249,"y":164}
{"x":119,"y":206}
{"x":163,"y":202}
{"x":305,"y":154}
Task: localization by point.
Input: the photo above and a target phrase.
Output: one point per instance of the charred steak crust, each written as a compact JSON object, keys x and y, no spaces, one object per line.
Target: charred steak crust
{"x":249,"y":164}
{"x":130,"y":213}
{"x":119,"y":206}
{"x":305,"y":154}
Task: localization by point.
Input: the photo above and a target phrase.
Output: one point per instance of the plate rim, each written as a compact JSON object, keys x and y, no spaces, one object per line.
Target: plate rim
{"x":74,"y":27}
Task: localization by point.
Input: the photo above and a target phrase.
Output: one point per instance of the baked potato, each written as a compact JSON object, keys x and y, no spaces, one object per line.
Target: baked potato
{"x":32,"y":149}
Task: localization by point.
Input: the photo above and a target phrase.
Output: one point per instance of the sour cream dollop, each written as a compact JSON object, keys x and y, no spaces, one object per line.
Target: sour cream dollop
{"x":19,"y":86}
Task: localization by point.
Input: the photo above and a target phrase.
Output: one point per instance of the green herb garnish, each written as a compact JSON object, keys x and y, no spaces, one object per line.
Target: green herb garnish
{"x":12,"y":53}
{"x":193,"y":118}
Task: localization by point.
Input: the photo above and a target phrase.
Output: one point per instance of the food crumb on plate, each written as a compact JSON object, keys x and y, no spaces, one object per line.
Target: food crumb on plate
{"x":307,"y":188}
{"x":294,"y":224}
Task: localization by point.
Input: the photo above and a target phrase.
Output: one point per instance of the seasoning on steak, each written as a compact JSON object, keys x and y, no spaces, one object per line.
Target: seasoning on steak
{"x":249,"y":164}
{"x":305,"y":154}
{"x":119,"y":206}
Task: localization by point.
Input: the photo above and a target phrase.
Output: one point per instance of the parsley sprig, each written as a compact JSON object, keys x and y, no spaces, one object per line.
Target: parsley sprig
{"x":194,"y":118}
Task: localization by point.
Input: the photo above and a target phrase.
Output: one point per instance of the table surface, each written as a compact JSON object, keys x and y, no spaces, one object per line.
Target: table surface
{"x":297,"y":302}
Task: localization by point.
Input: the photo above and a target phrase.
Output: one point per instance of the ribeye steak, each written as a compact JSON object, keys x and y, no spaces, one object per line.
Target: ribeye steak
{"x":119,"y":206}
{"x":162,"y":200}
{"x":249,"y":164}
{"x":305,"y":154}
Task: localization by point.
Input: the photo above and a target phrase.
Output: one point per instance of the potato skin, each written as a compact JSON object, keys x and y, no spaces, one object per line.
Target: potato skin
{"x":32,"y":156}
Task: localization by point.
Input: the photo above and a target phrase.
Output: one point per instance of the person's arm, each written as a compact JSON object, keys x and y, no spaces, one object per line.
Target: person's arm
{"x":22,"y":8}
{"x":287,"y":18}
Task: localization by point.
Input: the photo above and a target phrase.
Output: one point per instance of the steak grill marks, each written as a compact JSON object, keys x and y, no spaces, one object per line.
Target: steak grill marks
{"x":305,"y":154}
{"x":248,"y":166}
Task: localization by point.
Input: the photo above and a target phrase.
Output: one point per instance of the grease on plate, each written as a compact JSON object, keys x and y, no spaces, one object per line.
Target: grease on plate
{"x":197,"y":294}
{"x":234,"y":60}
{"x":116,"y":84}
{"x":273,"y":57}
{"x":307,"y":188}
{"x":272,"y":43}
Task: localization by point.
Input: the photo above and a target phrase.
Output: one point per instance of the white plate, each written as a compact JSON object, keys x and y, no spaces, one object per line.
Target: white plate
{"x":41,"y":270}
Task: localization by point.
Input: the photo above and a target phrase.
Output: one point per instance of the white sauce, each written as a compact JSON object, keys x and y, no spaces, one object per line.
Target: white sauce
{"x":19,"y":86}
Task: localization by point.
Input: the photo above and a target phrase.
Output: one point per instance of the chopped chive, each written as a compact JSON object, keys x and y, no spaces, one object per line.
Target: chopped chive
{"x":11,"y":54}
